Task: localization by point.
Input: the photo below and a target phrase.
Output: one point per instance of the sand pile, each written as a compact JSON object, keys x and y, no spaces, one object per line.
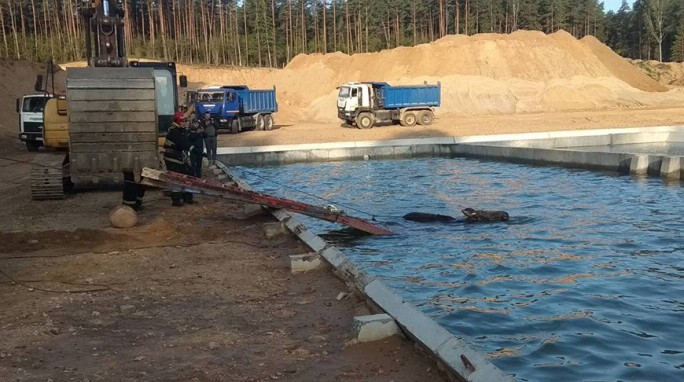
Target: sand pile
{"x":670,"y":74}
{"x":524,"y":72}
{"x":483,"y":74}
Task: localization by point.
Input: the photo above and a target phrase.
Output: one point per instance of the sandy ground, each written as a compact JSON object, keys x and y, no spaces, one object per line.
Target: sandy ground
{"x":453,"y":126}
{"x":191,"y":294}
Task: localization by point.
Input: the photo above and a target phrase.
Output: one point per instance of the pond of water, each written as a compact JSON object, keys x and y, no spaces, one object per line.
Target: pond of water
{"x":585,"y":282}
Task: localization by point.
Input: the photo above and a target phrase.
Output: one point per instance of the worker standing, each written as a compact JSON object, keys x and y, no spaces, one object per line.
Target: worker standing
{"x":210,"y":142}
{"x":133,"y":191}
{"x":196,"y":137}
{"x":176,"y":147}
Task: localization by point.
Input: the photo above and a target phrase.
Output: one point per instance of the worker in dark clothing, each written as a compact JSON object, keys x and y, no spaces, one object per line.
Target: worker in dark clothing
{"x":176,"y":147}
{"x":210,"y":142}
{"x":196,"y":138}
{"x":133,"y":191}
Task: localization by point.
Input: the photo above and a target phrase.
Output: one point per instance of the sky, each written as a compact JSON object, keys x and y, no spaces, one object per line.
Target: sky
{"x":614,"y":5}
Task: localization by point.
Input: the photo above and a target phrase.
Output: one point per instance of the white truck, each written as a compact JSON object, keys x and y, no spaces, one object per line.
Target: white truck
{"x":30,"y":109}
{"x":365,"y":103}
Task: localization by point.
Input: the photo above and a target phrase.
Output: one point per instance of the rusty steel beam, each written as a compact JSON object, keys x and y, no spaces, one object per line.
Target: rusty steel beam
{"x":174,"y":180}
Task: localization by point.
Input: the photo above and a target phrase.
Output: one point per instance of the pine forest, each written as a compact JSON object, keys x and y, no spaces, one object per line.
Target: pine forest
{"x":269,"y":33}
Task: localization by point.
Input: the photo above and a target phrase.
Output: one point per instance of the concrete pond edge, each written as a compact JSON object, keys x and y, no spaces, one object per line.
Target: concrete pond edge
{"x":557,"y":148}
{"x":452,"y":353}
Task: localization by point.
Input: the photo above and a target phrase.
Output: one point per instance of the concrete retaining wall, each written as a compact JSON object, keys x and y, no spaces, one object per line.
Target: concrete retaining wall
{"x":552,"y":148}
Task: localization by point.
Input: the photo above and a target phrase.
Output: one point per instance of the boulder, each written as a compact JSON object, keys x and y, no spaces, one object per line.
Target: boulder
{"x":123,"y":217}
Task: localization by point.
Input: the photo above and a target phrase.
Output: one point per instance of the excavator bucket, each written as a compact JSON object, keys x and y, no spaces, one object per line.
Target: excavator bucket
{"x":112,"y":120}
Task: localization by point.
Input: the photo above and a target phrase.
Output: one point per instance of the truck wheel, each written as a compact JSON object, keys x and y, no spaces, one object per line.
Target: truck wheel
{"x":409,"y":119}
{"x":235,"y":126}
{"x":425,"y":117}
{"x":365,"y":121}
{"x":268,"y":122}
{"x":32,"y":145}
{"x":260,"y":125}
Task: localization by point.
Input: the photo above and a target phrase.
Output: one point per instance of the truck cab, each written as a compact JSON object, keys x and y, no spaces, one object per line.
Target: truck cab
{"x":352,"y":98}
{"x":220,"y":102}
{"x":30,"y":109}
{"x":237,"y":107}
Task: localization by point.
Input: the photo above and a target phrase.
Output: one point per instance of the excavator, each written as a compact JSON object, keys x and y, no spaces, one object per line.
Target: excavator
{"x":114,"y":114}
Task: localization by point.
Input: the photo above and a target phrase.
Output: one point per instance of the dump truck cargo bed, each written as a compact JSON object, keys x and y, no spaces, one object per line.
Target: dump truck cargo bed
{"x":258,"y":101}
{"x":397,"y":97}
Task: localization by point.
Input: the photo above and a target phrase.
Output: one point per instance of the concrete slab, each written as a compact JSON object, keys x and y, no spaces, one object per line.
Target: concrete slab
{"x":676,"y":137}
{"x":273,"y":230}
{"x":671,"y":168}
{"x":639,"y":165}
{"x":374,"y":327}
{"x":472,"y":365}
{"x":304,"y":263}
{"x":422,"y":328}
{"x":385,"y":297}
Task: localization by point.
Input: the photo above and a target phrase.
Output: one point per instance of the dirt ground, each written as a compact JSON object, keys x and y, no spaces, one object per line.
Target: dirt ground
{"x":198,"y":293}
{"x":191,"y":294}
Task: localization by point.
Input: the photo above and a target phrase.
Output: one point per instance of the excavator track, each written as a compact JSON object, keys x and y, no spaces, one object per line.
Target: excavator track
{"x":47,"y":178}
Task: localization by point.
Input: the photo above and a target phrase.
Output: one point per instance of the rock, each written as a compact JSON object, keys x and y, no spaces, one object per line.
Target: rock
{"x":213,"y":345}
{"x":54,"y":330}
{"x":272,"y":230}
{"x":33,"y":241}
{"x":301,"y":353}
{"x":317,"y":338}
{"x":123,"y":217}
{"x":127,"y":309}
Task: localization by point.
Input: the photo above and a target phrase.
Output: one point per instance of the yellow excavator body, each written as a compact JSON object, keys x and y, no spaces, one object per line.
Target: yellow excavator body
{"x":56,"y":124}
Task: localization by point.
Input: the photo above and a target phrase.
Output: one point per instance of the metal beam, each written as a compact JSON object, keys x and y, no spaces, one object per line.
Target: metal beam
{"x":173,"y":180}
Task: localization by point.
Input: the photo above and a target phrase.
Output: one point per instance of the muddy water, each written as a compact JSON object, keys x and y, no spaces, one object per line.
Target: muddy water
{"x":585,"y":282}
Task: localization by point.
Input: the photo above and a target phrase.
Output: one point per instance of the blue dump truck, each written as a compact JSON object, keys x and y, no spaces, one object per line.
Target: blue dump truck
{"x":237,"y":107}
{"x":364,"y":104}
